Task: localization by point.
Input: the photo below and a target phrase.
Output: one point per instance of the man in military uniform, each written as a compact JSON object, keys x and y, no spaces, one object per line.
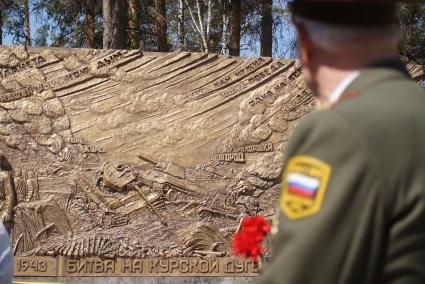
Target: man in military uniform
{"x":353,"y":188}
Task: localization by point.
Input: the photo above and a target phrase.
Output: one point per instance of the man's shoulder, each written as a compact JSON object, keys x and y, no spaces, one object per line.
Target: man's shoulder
{"x":388,"y":100}
{"x":376,"y":114}
{"x":388,"y":117}
{"x":325,"y":130}
{"x":384,"y":91}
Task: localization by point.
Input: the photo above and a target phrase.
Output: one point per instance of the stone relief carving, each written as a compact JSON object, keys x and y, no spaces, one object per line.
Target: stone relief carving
{"x":125,"y":163}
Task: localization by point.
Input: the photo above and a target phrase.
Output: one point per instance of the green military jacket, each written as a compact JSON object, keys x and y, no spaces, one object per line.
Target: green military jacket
{"x":353,"y":191}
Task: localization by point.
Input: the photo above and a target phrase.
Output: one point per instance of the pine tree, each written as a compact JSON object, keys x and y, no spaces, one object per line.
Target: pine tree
{"x":115,"y":15}
{"x":13,"y":20}
{"x":69,"y":23}
{"x":133,"y":24}
{"x":266,"y":28}
{"x":161,"y":25}
{"x":89,"y":8}
{"x":235,"y":28}
{"x":1,"y":21}
{"x":412,"y":26}
{"x":26,"y":5}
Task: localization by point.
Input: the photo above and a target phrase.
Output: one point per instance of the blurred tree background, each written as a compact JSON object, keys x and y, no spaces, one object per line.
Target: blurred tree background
{"x":412,"y":26}
{"x":235,"y":27}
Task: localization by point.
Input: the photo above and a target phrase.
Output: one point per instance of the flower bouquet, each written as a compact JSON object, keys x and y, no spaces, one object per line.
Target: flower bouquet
{"x":248,"y":239}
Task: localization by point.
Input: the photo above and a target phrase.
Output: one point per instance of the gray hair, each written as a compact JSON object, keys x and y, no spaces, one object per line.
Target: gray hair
{"x":335,"y":38}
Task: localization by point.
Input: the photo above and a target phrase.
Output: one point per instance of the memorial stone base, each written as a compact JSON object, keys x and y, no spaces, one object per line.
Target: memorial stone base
{"x":143,"y":280}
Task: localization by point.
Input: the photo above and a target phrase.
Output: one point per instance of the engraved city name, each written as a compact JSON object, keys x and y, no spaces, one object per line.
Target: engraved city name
{"x":93,"y":149}
{"x":229,"y":157}
{"x":265,"y":147}
{"x":238,"y":153}
{"x":85,"y":146}
{"x":73,"y":140}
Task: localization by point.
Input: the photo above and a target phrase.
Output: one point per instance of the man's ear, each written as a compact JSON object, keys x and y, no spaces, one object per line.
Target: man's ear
{"x":305,"y":45}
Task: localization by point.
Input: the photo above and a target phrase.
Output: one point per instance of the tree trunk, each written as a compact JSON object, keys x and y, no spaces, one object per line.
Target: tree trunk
{"x":115,"y":24}
{"x":180,"y":29}
{"x":107,"y":23}
{"x":235,"y":28}
{"x":161,"y":25}
{"x":224,"y":35}
{"x":202,"y":39}
{"x":133,"y":24}
{"x":90,"y":11}
{"x":266,"y":28}
{"x":198,"y":24}
{"x":1,"y":21}
{"x":27,"y":23}
{"x":208,"y":25}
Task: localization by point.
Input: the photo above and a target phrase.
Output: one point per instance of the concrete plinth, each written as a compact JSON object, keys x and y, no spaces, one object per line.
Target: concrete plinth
{"x":144,"y":280}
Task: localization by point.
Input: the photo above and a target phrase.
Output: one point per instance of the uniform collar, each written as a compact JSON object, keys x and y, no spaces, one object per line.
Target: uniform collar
{"x":371,"y":76}
{"x":378,"y":72}
{"x":336,"y":94}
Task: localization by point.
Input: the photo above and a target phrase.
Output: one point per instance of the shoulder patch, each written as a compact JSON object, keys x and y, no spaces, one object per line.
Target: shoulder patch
{"x":304,"y":186}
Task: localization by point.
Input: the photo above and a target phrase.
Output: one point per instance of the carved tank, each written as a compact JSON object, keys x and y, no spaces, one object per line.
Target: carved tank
{"x":171,"y":180}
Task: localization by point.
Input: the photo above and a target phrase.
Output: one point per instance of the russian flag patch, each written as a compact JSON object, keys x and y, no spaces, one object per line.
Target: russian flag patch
{"x":304,"y":186}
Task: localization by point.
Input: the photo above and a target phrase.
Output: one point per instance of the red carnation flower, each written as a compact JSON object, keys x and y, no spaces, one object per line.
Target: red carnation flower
{"x":248,"y":240}
{"x":258,"y":223}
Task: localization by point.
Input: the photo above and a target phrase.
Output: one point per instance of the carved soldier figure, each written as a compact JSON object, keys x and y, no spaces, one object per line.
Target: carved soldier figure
{"x":7,"y":194}
{"x":32,"y":185}
{"x":250,"y":205}
{"x":20,"y":186}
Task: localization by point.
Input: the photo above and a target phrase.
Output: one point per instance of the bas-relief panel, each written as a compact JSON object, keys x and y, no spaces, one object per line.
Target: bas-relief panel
{"x":128,"y":163}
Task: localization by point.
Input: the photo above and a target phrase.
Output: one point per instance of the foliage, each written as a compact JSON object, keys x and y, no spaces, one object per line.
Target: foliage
{"x":68,"y":22}
{"x":63,"y":23}
{"x":42,"y":35}
{"x":412,"y":23}
{"x":13,"y":20}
